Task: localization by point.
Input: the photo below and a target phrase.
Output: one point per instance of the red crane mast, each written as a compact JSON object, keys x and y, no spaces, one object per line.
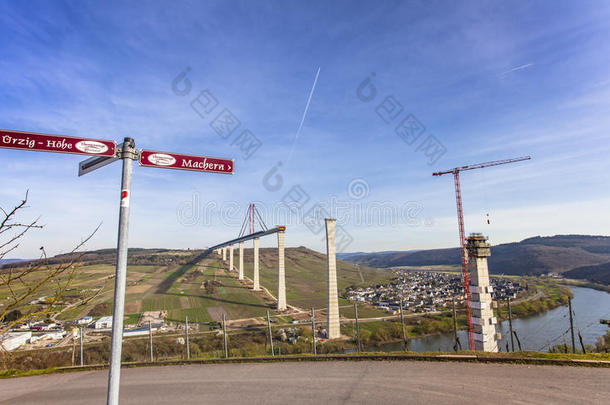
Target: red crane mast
{"x":460,"y":213}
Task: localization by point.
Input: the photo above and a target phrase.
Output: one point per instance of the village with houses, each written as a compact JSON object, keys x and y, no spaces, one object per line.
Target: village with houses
{"x":426,"y":291}
{"x":38,"y":334}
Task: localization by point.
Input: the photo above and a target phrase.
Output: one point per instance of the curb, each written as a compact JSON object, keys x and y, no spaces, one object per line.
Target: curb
{"x":359,"y":357}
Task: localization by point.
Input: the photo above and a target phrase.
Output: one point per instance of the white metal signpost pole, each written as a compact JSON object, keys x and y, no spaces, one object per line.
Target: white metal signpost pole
{"x":127,"y":154}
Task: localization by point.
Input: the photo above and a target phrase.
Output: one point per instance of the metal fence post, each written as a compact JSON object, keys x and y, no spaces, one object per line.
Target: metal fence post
{"x":455,"y":336}
{"x":224,"y":334}
{"x":404,"y":331}
{"x":82,"y":361}
{"x":186,"y":331}
{"x":510,"y":325}
{"x":571,"y":324}
{"x":313,"y":331}
{"x":270,"y":334}
{"x":357,"y":328}
{"x":150,"y":341}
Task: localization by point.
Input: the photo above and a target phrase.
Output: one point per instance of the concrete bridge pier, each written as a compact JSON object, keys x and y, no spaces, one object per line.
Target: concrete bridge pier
{"x":281,"y":275}
{"x":257,"y":285}
{"x":484,"y":322}
{"x":231,"y":258}
{"x":333,"y":326}
{"x":241,"y":260}
{"x":224,"y":254}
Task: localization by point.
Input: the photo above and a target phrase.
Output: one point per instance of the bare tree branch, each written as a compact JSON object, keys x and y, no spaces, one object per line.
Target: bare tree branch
{"x":24,"y":281}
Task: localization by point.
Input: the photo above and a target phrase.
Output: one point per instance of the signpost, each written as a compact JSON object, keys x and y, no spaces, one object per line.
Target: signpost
{"x":56,"y":143}
{"x":127,"y":154}
{"x":104,"y":153}
{"x":169,"y":160}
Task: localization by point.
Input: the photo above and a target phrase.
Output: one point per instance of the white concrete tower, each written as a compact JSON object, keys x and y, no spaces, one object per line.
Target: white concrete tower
{"x":281,"y":273}
{"x":484,"y":322}
{"x":241,"y":260}
{"x":333,"y":326}
{"x":231,"y":258}
{"x":257,"y":285}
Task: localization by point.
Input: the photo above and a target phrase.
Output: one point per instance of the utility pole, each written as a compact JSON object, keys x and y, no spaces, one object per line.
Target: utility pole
{"x":128,"y":154}
{"x":404,"y":332}
{"x":186,"y":332}
{"x":357,"y":328}
{"x":270,"y":335}
{"x":455,"y":337}
{"x":313,"y":331}
{"x":510,"y":326}
{"x":571,"y":325}
{"x":150,"y":341}
{"x":224,"y":335}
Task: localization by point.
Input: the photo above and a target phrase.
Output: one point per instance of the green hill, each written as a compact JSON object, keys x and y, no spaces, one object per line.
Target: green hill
{"x":597,"y":274}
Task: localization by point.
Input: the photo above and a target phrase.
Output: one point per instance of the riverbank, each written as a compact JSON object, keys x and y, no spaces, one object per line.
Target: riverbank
{"x":584,"y":284}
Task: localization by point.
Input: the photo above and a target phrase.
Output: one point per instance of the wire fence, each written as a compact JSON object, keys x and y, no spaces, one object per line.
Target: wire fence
{"x":276,"y":335}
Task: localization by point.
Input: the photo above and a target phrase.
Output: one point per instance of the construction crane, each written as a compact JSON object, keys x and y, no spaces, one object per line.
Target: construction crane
{"x":458,"y":199}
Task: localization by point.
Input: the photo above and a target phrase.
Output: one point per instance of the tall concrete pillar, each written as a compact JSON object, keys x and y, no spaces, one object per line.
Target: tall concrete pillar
{"x":224,"y":254}
{"x":231,"y":258}
{"x":257,"y":285}
{"x":241,"y":260}
{"x":333,"y":326}
{"x":281,"y":273}
{"x":484,"y":322}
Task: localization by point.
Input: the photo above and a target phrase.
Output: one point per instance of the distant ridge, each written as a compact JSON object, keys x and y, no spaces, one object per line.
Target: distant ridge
{"x":598,"y":274}
{"x":533,"y":256}
{"x":7,"y":261}
{"x":345,"y":256}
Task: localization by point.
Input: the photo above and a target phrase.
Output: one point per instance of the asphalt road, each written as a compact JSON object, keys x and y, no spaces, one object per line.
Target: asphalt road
{"x":341,"y":382}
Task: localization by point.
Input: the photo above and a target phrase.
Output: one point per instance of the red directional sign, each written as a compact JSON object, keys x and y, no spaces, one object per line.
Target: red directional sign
{"x":56,"y":143}
{"x":169,"y":160}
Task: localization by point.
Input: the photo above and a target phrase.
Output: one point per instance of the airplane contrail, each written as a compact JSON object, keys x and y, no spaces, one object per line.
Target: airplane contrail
{"x":296,"y":136}
{"x":517,"y":68}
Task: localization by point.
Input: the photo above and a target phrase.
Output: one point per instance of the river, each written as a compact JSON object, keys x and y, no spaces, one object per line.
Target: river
{"x":537,"y":332}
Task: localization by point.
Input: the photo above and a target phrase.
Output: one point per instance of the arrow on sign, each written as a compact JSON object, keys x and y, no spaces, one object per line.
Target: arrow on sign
{"x":168,"y":160}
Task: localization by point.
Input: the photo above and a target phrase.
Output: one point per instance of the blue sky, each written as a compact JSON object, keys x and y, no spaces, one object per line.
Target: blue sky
{"x":488,"y":80}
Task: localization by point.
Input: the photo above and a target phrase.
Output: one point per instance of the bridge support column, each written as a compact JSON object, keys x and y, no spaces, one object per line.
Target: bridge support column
{"x":224,"y":254}
{"x":281,"y":274}
{"x":257,"y":285}
{"x":231,"y":258}
{"x":483,"y":319}
{"x":241,"y":260}
{"x":333,"y":326}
